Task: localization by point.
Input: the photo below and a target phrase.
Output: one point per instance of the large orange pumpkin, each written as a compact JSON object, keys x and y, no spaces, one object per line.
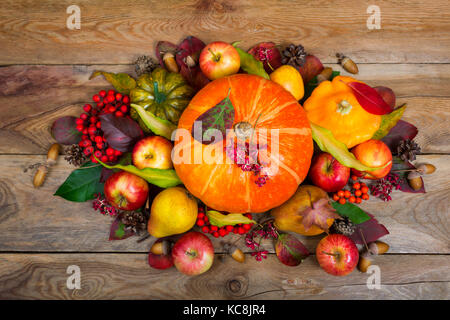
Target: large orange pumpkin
{"x":223,"y":185}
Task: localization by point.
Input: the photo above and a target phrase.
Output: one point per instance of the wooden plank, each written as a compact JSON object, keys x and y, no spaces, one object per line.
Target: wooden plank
{"x":128,"y":276}
{"x":32,"y":97}
{"x":116,"y":32}
{"x":33,"y":220}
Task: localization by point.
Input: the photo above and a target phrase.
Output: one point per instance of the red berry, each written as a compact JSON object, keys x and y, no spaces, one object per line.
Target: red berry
{"x":100,"y":146}
{"x":79,"y":127}
{"x":79,"y":121}
{"x":247,"y":226}
{"x":102,"y":93}
{"x":248,"y":215}
{"x":205,"y":229}
{"x":241,"y":230}
{"x":98,"y":154}
{"x":229,"y":228}
{"x":85,"y":131}
{"x":119,"y":114}
{"x":84,"y":116}
{"x":340,"y":193}
{"x":110,"y":151}
{"x":356,"y":186}
{"x":88,"y":150}
{"x":342,"y":201}
{"x":84,"y":137}
{"x":335,"y":197}
{"x":92,"y":130}
{"x":200,"y":216}
{"x":124,"y":108}
{"x":347,"y":194}
{"x":98,"y":124}
{"x":87,"y":108}
{"x":365,"y":196}
{"x":96,"y":98}
{"x":104,"y":159}
{"x":118,"y":96}
{"x":111,"y":92}
{"x":216,"y":234}
{"x":126,"y":99}
{"x":235,"y":230}
{"x":98,"y":139}
{"x":110,"y":98}
{"x":364,"y":190}
{"x":222,"y":232}
{"x":214,"y":228}
{"x":352,"y":199}
{"x":117,"y":153}
{"x":93,"y":159}
{"x":93,"y":119}
{"x":358,"y":193}
{"x":200,"y":223}
{"x":354,"y":178}
{"x":111,"y":109}
{"x":94,"y":112}
{"x":358,"y":200}
{"x":111,"y":158}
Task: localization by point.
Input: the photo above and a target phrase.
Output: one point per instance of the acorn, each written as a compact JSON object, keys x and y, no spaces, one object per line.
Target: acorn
{"x":415,"y":180}
{"x":160,"y":247}
{"x":169,"y":61}
{"x":41,"y":172}
{"x":347,"y":63}
{"x":365,"y":261}
{"x":378,"y":247}
{"x":426,"y":168}
{"x":235,"y":253}
{"x":324,"y":75}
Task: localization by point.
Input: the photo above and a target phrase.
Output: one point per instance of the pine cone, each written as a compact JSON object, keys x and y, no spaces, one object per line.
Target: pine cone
{"x":407,"y":150}
{"x":343,"y":226}
{"x":294,"y":55}
{"x":134,"y":220}
{"x":144,"y":64}
{"x":74,"y":155}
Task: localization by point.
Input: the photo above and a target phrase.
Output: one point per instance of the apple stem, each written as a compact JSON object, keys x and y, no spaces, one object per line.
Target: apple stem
{"x":331,"y":254}
{"x":215,"y":56}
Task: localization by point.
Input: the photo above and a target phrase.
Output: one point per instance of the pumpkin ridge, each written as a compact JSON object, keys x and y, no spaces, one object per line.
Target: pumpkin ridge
{"x":257,"y":98}
{"x":273,"y":112}
{"x":282,"y":165}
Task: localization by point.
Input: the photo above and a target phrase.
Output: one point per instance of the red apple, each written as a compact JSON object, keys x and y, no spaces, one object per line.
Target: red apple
{"x":219,"y":59}
{"x":327,"y":173}
{"x":126,"y":191}
{"x":160,"y":261}
{"x":373,"y":153}
{"x":193,"y":253}
{"x":337,"y":254}
{"x":153,"y":152}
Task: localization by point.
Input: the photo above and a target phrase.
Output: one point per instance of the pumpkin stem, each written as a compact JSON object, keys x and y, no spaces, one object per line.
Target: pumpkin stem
{"x":344,"y":107}
{"x":159,"y":96}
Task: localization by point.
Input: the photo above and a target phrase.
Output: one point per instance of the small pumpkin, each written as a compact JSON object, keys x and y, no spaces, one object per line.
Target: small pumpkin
{"x":332,"y":105}
{"x":264,"y":105}
{"x":164,"y":94}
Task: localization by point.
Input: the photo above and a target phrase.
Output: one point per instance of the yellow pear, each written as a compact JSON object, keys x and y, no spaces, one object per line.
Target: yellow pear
{"x":290,"y":79}
{"x":174,"y":210}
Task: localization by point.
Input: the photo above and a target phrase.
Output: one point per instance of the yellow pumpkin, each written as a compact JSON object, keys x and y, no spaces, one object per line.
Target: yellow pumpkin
{"x":333,"y":105}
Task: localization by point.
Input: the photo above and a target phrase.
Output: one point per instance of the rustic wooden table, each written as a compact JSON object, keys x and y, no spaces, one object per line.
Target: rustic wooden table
{"x":44,"y":74}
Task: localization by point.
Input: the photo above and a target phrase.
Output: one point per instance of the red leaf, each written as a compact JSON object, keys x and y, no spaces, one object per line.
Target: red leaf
{"x":64,"y":130}
{"x":120,"y":133}
{"x":369,"y":98}
{"x":401,"y":131}
{"x":118,"y":230}
{"x":290,"y":251}
{"x":371,"y":229}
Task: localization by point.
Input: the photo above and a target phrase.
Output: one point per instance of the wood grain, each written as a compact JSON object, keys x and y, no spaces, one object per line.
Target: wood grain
{"x":115,"y":32}
{"x":33,"y":220}
{"x":32,"y":97}
{"x":128,"y":276}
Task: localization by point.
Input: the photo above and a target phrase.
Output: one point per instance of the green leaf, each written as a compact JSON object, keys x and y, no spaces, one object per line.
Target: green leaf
{"x":220,"y":117}
{"x":220,"y":220}
{"x":328,"y":143}
{"x":353,"y":212}
{"x":250,"y":65}
{"x":122,"y":82}
{"x":82,"y":183}
{"x":157,"y":125}
{"x":163,"y":178}
{"x":388,"y":121}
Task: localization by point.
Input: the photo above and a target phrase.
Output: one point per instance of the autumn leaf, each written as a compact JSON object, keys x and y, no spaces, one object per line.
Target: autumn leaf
{"x":369,"y":99}
{"x":369,"y":231}
{"x":118,"y":230}
{"x":290,"y":251}
{"x":317,"y":214}
{"x":388,"y":121}
{"x":122,"y":82}
{"x":217,"y":119}
{"x":218,"y":219}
